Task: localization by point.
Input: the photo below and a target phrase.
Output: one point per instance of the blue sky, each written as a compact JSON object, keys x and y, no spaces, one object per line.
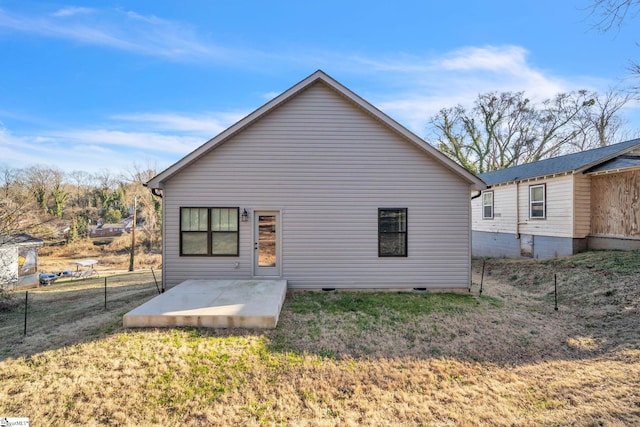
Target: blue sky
{"x":98,"y":85}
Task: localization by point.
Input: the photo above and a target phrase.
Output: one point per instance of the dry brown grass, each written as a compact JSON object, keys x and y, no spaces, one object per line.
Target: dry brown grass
{"x":112,"y":257}
{"x":506,"y":358}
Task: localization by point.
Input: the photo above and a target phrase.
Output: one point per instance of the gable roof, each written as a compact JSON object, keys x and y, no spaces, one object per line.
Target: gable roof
{"x":568,"y":163}
{"x":20,"y":240}
{"x":322,"y":77}
{"x":616,"y":164}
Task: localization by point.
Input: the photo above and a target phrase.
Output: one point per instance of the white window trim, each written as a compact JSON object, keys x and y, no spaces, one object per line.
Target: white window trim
{"x":485,"y":205}
{"x":543,"y":201}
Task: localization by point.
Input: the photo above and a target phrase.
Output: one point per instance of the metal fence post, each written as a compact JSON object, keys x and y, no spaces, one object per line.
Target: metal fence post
{"x":155,"y":280}
{"x":555,"y":289}
{"x":482,"y":277}
{"x":105,"y":293}
{"x":26,"y":305}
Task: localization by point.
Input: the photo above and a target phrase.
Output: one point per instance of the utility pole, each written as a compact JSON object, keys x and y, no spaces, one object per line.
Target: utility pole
{"x":133,"y":233}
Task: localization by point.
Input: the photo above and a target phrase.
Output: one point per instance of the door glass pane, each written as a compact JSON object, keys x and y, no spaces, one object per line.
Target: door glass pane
{"x":267,"y":241}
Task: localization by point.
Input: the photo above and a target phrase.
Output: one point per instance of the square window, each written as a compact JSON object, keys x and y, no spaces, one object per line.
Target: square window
{"x":194,"y":243}
{"x":209,"y":231}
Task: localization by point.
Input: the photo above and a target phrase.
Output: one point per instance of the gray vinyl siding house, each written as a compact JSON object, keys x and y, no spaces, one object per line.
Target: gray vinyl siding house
{"x":322,"y":189}
{"x":561,"y":206}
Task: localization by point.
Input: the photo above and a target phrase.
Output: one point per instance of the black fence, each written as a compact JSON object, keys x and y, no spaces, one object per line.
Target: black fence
{"x":68,"y":305}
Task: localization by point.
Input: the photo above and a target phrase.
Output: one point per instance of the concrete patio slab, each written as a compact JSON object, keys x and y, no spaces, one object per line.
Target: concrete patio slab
{"x":213,"y":304}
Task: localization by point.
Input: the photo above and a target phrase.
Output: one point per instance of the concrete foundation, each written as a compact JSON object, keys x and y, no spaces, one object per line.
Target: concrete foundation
{"x":213,"y":304}
{"x":597,"y":242}
{"x":504,"y":245}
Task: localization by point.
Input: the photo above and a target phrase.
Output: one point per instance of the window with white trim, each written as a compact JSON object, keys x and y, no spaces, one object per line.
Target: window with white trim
{"x":487,"y":205}
{"x":537,"y":201}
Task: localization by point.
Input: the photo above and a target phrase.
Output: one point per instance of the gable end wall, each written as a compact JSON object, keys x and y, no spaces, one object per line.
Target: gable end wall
{"x":328,"y":166}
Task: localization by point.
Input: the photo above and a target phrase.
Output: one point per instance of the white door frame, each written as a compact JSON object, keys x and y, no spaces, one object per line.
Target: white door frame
{"x":275,"y":271}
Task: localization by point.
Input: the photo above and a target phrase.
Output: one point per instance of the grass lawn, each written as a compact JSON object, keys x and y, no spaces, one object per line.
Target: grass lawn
{"x":344,"y":358}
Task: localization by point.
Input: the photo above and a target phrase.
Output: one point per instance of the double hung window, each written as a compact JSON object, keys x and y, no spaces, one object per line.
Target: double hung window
{"x":537,"y":202}
{"x":392,"y":232}
{"x":487,"y":205}
{"x":209,"y":231}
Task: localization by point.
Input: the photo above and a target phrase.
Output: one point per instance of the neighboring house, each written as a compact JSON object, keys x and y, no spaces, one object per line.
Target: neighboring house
{"x":561,"y":206}
{"x":322,"y":189}
{"x":19,"y":261}
{"x":109,"y":230}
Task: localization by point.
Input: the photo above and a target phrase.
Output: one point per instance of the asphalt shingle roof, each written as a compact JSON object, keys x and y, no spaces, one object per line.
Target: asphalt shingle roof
{"x":560,"y":164}
{"x":622,"y":162}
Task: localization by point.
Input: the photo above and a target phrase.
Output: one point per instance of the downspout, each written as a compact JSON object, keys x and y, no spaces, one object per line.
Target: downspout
{"x":158,"y":193}
{"x":517,"y":210}
{"x":471,"y":238}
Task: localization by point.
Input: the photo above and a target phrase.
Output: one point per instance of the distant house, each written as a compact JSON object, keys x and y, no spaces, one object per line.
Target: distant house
{"x":109,"y":230}
{"x":322,"y":189}
{"x":561,"y":206}
{"x":19,"y":261}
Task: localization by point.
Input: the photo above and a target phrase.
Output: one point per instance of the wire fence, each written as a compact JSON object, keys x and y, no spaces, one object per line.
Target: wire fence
{"x":69,"y":304}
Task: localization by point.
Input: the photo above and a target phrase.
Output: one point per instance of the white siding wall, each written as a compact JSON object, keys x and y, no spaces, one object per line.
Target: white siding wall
{"x":504,"y":211}
{"x":564,"y":195}
{"x":329,"y":167}
{"x":559,"y":215}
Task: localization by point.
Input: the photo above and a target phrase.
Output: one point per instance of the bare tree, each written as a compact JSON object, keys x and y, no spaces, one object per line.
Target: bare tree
{"x":8,"y":178}
{"x":149,"y":205}
{"x":601,"y":124}
{"x":40,"y":180}
{"x":612,"y":14}
{"x":80,"y":179}
{"x":507,"y":129}
{"x":106,"y":179}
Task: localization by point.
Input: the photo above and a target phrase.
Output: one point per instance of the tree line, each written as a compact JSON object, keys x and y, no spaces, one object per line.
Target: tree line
{"x":54,"y":204}
{"x":507,"y":129}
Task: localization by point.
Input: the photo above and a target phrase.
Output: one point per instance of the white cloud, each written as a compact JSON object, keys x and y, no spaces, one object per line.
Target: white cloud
{"x":145,"y":141}
{"x":91,"y":150}
{"x":485,"y":58}
{"x":72,"y":11}
{"x":158,"y":138}
{"x":206,"y":125}
{"x":412,"y":88}
{"x":117,"y":29}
